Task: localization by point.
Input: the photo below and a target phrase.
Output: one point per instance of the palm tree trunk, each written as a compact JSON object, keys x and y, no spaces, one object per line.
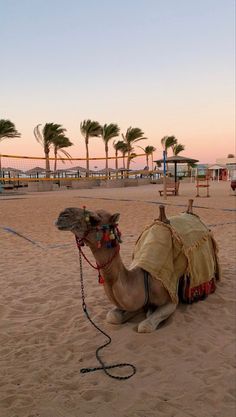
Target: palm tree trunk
{"x":106,"y":151}
{"x":55,"y":162}
{"x":147,"y":161}
{"x":87,"y":158}
{"x":47,"y":163}
{"x":116,"y":154}
{"x":167,"y":167}
{"x":128,"y":163}
{"x":123,"y":160}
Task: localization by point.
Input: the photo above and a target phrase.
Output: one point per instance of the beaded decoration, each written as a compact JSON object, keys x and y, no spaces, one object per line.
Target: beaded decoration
{"x":86,"y":215}
{"x":107,"y":233}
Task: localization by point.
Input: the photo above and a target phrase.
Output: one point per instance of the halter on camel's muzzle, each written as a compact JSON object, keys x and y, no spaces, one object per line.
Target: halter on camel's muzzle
{"x":107,"y":235}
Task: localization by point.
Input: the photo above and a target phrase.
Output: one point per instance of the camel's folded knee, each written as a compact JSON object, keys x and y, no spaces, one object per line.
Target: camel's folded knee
{"x":117,"y":316}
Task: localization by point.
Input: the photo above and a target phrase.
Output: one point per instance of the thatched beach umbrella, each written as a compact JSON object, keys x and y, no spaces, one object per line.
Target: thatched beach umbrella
{"x":77,"y":168}
{"x":35,"y":170}
{"x":12,"y":170}
{"x":109,"y":169}
{"x":177,"y":159}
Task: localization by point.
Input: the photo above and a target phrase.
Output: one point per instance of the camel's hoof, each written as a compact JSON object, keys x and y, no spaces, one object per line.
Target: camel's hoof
{"x":115,"y":316}
{"x":145,"y":327}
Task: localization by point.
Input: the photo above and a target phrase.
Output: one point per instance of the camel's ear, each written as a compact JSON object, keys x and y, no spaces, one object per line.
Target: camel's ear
{"x":94,"y":218}
{"x":114,"y":219}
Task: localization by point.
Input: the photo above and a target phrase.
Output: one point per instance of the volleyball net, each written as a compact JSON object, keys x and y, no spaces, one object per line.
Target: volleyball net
{"x":15,"y":168}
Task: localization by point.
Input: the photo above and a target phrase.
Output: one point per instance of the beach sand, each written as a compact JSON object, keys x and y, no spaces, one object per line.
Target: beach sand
{"x":184,"y":369}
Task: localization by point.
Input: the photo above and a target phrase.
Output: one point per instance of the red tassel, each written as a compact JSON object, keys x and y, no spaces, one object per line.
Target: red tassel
{"x":100,"y":279}
{"x":106,"y":237}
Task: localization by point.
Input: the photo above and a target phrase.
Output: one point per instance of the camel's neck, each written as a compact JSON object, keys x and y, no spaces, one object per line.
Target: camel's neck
{"x":119,"y":281}
{"x":110,"y":263}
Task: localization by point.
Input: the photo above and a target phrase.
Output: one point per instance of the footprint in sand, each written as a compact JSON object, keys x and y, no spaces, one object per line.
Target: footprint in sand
{"x":91,"y":395}
{"x":131,"y":346}
{"x":176,"y":349}
{"x":204,"y":348}
{"x":16,"y":401}
{"x":3,"y":311}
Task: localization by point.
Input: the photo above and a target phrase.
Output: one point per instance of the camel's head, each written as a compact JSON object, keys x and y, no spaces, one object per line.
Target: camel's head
{"x":82,"y":221}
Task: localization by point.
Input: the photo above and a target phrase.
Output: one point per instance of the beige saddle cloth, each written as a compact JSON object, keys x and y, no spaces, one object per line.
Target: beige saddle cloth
{"x":185,"y":248}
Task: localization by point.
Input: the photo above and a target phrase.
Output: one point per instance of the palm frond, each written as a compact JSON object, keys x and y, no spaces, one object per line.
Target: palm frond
{"x":90,"y":128}
{"x":38,"y":135}
{"x":133,"y":134}
{"x":65,"y":153}
{"x":148,"y":150}
{"x":61,"y":141}
{"x":178,"y":148}
{"x":168,"y":141}
{"x":118,"y":145}
{"x":8,"y":130}
{"x":109,"y":131}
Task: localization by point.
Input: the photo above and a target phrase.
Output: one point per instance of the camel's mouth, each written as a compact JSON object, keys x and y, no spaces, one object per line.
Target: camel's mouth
{"x":61,"y":225}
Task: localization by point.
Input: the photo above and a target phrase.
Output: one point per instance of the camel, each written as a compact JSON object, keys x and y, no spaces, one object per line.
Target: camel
{"x":133,"y":289}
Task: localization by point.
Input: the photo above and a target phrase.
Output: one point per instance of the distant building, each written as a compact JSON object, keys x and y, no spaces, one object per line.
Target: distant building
{"x":218,"y":172}
{"x":226,"y":161}
{"x":223,"y":169}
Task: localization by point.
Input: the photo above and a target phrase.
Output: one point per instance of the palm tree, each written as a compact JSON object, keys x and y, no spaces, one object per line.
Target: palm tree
{"x":7,"y":130}
{"x":89,"y":129}
{"x":133,"y":135}
{"x":124,"y":151}
{"x":177,"y":148}
{"x":118,"y":146}
{"x":168,"y":142}
{"x":108,"y":132}
{"x":60,"y":142}
{"x":45,"y":137}
{"x":148,"y":150}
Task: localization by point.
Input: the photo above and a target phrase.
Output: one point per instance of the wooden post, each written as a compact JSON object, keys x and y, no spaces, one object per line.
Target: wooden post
{"x":197,"y":184}
{"x":190,"y":206}
{"x":162,"y":216}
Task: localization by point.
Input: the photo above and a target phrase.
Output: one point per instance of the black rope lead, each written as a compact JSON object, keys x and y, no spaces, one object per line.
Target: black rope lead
{"x":103,"y":367}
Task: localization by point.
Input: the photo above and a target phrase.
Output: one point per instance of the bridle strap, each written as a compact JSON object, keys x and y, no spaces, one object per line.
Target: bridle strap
{"x":146,"y":288}
{"x":97,"y":267}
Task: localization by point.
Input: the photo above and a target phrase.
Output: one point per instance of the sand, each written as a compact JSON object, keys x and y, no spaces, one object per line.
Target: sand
{"x":184,"y":369}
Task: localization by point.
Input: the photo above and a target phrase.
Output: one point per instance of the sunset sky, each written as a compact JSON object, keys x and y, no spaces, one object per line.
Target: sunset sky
{"x":164,"y":66}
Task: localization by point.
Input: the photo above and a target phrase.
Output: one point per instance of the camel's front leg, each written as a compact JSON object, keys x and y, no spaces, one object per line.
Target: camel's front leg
{"x":117,"y":316}
{"x":154,"y":319}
